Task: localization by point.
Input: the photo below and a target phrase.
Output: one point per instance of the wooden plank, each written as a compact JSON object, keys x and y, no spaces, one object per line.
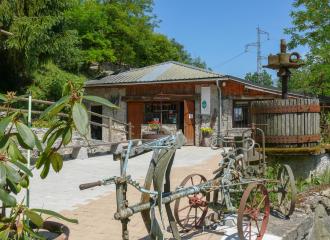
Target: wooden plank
{"x":98,"y":124}
{"x":98,"y":115}
{"x":283,"y":131}
{"x":295,"y":121}
{"x":32,"y":111}
{"x":267,"y":121}
{"x":275,"y":102}
{"x":192,"y":97}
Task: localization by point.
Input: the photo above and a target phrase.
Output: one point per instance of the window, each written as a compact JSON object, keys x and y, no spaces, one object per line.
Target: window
{"x":241,"y":114}
{"x":170,"y":113}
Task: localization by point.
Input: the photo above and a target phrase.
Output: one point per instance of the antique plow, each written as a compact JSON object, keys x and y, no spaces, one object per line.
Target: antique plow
{"x":195,"y":190}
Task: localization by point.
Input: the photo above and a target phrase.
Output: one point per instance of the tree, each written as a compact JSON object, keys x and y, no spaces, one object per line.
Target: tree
{"x":185,"y":56}
{"x":39,"y":32}
{"x":311,"y":28}
{"x":266,"y":78}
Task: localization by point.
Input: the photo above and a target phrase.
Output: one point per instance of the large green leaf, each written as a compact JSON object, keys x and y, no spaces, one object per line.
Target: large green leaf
{"x":12,"y":174}
{"x":20,"y":141}
{"x":34,"y":217}
{"x":11,"y":152}
{"x":7,"y":199}
{"x":47,"y":110}
{"x":67,"y":134}
{"x":17,"y":153}
{"x":26,"y":134}
{"x":66,"y":89}
{"x":41,"y":159}
{"x":45,"y":171}
{"x":100,"y":100}
{"x":38,"y":143}
{"x":49,"y":131}
{"x":63,"y":100}
{"x":80,"y":118}
{"x":4,"y":141}
{"x":5,"y":234}
{"x":12,"y":186}
{"x":54,"y":214}
{"x":53,"y":138}
{"x":22,"y":167}
{"x":4,"y":124}
{"x":57,"y":110}
{"x":57,"y":161}
{"x":3,"y":97}
{"x":30,"y":231}
{"x":2,"y":174}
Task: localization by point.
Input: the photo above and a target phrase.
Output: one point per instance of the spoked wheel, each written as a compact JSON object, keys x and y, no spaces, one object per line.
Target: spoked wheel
{"x":287,"y":194}
{"x":253,"y":212}
{"x":190,"y":211}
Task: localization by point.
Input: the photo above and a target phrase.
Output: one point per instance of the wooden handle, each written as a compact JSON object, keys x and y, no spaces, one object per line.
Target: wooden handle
{"x":89,"y":185}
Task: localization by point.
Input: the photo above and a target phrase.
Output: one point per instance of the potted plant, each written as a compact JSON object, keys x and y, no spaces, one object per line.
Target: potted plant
{"x":206,"y":137}
{"x":154,"y":125}
{"x":14,"y":174}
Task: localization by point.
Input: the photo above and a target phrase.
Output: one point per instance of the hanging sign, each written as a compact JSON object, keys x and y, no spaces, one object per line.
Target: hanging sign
{"x":205,"y":100}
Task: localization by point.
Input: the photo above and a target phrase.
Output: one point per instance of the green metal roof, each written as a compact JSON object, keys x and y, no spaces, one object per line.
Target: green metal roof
{"x":168,"y":71}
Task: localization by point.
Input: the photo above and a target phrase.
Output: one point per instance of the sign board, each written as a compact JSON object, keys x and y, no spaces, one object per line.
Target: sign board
{"x":205,"y":100}
{"x":191,"y":116}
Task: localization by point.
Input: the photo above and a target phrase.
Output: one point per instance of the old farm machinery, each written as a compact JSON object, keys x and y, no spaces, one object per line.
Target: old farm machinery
{"x":235,"y":176}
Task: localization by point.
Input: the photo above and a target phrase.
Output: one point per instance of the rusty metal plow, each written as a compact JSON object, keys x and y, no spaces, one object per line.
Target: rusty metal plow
{"x":159,"y":168}
{"x":228,"y":176}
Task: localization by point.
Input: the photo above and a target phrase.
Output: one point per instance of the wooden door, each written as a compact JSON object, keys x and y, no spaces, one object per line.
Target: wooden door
{"x":135,"y":117}
{"x":189,"y":122}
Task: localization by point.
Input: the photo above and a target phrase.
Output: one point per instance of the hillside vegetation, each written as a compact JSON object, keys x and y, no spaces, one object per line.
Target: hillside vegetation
{"x":56,"y":41}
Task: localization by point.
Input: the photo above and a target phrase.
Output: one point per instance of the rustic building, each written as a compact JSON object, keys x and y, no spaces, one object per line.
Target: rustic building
{"x":190,"y":97}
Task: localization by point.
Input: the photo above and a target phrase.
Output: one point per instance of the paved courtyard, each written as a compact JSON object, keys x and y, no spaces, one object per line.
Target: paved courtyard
{"x":94,"y":208}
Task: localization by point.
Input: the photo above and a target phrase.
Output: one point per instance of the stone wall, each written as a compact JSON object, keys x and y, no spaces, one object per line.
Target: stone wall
{"x":303,"y":166}
{"x":211,"y":120}
{"x":77,"y":139}
{"x":113,"y":95}
{"x":167,"y":128}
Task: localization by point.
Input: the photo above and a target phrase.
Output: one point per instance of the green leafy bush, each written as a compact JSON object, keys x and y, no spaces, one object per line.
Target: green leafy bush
{"x":12,"y":180}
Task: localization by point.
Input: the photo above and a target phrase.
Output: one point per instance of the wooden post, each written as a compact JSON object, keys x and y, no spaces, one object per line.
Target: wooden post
{"x":286,"y":73}
{"x":110,"y":129}
{"x":285,"y":87}
{"x":129,"y":131}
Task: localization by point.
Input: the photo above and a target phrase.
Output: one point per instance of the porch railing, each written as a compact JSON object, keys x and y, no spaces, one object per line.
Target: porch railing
{"x":110,"y":126}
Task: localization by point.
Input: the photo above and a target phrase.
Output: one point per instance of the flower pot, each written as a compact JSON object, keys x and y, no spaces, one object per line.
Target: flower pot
{"x":55,"y":227}
{"x":206,"y":139}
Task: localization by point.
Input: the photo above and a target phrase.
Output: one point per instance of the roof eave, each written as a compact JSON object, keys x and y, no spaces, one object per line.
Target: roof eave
{"x":156,"y":82}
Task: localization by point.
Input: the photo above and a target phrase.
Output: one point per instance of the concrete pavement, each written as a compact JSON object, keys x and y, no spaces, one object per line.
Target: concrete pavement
{"x":94,"y":208}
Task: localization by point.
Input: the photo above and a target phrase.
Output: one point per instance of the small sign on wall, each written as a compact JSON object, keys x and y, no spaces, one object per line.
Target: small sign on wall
{"x":205,"y":100}
{"x":191,"y":116}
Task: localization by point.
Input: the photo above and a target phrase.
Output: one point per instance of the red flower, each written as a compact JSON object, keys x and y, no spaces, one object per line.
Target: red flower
{"x":4,"y":105}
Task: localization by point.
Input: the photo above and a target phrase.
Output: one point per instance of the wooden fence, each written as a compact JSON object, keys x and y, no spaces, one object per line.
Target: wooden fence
{"x":109,"y":125}
{"x":290,"y":122}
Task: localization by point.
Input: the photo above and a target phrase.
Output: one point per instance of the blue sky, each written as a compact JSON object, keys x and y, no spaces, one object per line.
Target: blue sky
{"x":218,"y":30}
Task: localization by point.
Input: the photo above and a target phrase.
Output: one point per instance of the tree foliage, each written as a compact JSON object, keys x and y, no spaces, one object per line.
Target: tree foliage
{"x":39,"y":31}
{"x":266,"y":78}
{"x":311,"y":28}
{"x":75,"y":33}
{"x":185,"y":56}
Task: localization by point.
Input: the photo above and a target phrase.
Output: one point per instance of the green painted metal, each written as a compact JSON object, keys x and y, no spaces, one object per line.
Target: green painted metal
{"x":29,"y":153}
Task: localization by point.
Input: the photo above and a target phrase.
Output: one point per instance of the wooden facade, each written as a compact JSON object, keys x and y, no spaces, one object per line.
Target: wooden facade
{"x":231,"y":88}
